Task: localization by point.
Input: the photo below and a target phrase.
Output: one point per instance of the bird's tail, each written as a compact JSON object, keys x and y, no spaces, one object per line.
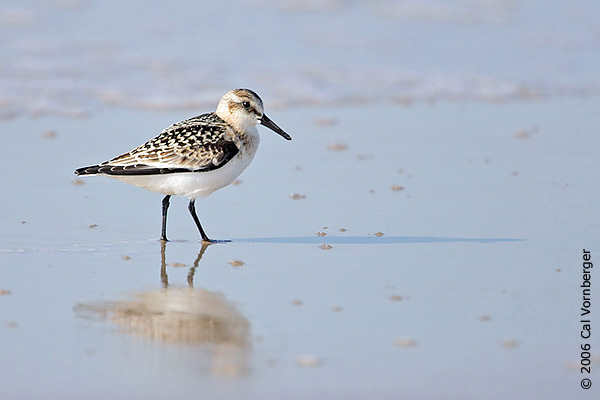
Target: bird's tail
{"x":91,"y":170}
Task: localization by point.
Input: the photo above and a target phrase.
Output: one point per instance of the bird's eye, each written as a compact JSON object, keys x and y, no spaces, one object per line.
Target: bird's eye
{"x":246,"y":105}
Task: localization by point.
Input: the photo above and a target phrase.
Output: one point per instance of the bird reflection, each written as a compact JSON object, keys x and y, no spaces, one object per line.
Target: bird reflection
{"x":187,"y":316}
{"x":164,"y":278}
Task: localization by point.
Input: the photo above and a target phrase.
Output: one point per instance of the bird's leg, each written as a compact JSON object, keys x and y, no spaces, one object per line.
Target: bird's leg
{"x":165,"y":207}
{"x":192,"y":209}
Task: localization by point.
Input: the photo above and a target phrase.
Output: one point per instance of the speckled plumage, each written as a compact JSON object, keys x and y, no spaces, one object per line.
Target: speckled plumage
{"x":198,"y":144}
{"x":196,"y":156}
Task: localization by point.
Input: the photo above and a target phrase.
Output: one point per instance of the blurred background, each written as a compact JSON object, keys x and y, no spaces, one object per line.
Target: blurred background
{"x":75,"y":57}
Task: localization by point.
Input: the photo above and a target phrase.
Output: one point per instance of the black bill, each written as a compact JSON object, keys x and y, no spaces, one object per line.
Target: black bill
{"x":273,"y":126}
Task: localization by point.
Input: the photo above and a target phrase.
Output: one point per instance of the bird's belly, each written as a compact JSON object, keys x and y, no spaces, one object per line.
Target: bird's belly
{"x":190,"y":184}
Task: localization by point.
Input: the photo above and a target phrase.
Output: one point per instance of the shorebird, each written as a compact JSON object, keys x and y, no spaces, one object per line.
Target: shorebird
{"x":194,"y":157}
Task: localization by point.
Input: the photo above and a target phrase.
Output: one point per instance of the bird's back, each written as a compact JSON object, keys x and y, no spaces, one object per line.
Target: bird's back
{"x":198,"y":144}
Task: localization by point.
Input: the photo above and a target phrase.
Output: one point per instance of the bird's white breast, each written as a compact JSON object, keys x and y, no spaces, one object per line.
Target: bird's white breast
{"x":198,"y":184}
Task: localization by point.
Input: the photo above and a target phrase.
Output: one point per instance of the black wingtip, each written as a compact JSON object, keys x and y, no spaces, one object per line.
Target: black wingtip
{"x":91,"y":170}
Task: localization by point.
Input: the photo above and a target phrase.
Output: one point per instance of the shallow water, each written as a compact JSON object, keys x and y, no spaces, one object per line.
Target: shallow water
{"x":468,"y":276}
{"x":76,"y":57}
{"x":413,"y":240}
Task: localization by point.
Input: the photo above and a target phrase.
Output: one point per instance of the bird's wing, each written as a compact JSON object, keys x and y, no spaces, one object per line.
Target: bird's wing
{"x":197,"y":144}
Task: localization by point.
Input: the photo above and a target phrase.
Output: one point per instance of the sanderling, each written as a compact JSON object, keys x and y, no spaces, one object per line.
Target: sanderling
{"x":194,"y":157}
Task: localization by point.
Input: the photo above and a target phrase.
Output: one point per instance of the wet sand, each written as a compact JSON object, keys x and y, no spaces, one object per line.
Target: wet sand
{"x":467,"y":276}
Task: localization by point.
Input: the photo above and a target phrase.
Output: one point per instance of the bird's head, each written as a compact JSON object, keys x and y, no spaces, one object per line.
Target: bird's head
{"x":243,"y":109}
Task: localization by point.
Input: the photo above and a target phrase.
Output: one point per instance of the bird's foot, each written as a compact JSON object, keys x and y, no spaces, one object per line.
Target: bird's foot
{"x":214,"y":241}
